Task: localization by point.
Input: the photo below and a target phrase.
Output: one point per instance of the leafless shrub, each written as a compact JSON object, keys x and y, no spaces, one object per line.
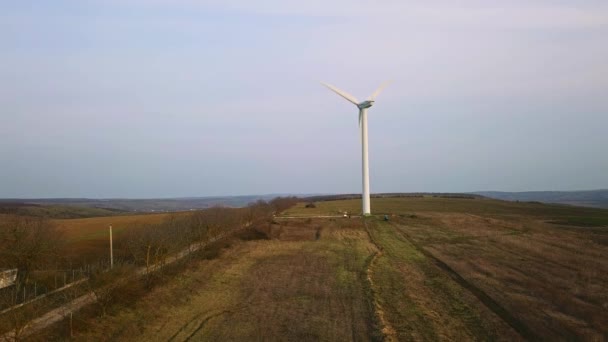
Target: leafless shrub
{"x":27,"y":243}
{"x":109,"y":287}
{"x":283,"y":203}
{"x":149,"y":245}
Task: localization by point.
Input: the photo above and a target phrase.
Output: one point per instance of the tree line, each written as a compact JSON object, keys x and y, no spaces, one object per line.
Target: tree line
{"x":34,"y":244}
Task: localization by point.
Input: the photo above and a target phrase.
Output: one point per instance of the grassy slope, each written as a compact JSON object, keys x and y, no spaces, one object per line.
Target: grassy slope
{"x":494,"y":208}
{"x":590,"y":198}
{"x":550,"y":278}
{"x":422,"y":302}
{"x":553,"y":280}
{"x":87,"y":238}
{"x":543,"y":264}
{"x":267,"y":289}
{"x":454,"y":269}
{"x":96,"y":228}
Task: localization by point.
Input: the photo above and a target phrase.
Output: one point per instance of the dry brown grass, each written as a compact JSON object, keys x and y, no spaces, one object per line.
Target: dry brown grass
{"x":554,"y":280}
{"x":420,"y":301}
{"x":87,"y":239}
{"x":96,"y":228}
{"x":263,"y":289}
{"x":448,"y":269}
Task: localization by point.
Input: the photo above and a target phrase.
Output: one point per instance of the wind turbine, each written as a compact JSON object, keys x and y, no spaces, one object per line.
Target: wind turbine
{"x":363,"y":106}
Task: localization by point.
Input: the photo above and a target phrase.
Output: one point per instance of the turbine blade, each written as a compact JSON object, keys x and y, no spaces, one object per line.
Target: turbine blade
{"x":359,"y":119}
{"x":342,"y":93}
{"x":377,"y":92}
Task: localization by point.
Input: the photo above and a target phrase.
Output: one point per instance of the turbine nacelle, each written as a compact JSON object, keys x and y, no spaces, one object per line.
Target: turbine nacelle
{"x":365,"y":104}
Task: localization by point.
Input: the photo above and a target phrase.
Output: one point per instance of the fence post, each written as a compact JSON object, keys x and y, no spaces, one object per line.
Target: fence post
{"x":111,"y":250}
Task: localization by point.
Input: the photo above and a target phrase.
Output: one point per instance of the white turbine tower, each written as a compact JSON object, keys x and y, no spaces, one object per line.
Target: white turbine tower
{"x":363,"y":127}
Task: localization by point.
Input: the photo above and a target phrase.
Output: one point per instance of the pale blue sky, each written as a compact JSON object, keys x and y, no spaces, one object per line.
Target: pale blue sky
{"x":162,"y":98}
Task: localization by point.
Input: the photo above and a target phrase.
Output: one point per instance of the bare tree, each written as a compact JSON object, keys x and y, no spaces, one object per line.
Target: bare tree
{"x":259,"y":212}
{"x":214,"y":221}
{"x":175,"y":234}
{"x":151,"y":244}
{"x":14,"y":322}
{"x":27,"y":243}
{"x":283,"y":203}
{"x":140,"y":244}
{"x":198,"y":228}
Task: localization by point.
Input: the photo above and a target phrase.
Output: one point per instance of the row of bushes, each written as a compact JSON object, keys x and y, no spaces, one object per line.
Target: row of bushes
{"x":33,"y":244}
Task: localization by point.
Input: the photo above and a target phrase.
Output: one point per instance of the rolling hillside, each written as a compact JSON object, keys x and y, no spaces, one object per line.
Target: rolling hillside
{"x":143,"y":205}
{"x":439,"y":269}
{"x":591,"y":198}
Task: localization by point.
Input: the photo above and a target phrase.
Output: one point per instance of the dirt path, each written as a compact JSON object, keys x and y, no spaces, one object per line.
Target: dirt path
{"x":385,"y":327}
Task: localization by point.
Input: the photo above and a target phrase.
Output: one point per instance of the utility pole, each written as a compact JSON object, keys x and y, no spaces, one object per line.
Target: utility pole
{"x":111,"y":250}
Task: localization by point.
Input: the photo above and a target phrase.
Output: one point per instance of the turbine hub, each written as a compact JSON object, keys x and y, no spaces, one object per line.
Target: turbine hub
{"x":365,"y":104}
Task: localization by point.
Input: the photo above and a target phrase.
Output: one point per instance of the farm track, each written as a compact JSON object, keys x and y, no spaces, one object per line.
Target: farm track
{"x":386,"y":329}
{"x":202,"y":322}
{"x":199,"y":326}
{"x":521,"y":328}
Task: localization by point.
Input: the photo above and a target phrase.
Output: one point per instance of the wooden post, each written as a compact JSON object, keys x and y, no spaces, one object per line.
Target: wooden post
{"x":71,"y":326}
{"x":111,"y":250}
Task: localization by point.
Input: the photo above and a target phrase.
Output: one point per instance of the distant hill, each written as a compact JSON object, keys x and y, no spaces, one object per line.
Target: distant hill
{"x":54,"y":211}
{"x":87,"y":207}
{"x":590,"y":198}
{"x":135,"y":205}
{"x":339,"y":197}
